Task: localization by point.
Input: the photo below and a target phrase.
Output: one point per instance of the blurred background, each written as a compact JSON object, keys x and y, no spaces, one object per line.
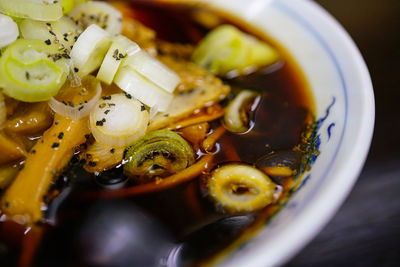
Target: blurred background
{"x":366,"y":230}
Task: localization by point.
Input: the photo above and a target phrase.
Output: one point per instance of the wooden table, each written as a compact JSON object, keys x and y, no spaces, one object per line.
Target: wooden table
{"x":366,"y":230}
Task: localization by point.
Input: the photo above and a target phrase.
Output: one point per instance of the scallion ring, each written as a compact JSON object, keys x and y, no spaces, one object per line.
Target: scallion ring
{"x":89,"y":50}
{"x":88,"y":94}
{"x":102,"y":14}
{"x":8,"y":30}
{"x":118,"y":120}
{"x":238,"y":188}
{"x":32,"y":71}
{"x":46,"y":10}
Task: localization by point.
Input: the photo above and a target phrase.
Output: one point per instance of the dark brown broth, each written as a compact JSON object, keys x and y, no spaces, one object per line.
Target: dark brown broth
{"x":283,"y":114}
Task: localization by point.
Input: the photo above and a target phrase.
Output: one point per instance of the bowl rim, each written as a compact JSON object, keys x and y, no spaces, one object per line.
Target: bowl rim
{"x":306,"y":226}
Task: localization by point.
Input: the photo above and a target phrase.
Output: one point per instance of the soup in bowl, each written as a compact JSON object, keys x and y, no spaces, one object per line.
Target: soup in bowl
{"x":175,"y":133}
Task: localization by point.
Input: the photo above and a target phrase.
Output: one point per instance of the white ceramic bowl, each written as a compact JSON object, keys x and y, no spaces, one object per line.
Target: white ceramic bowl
{"x":344,"y":99}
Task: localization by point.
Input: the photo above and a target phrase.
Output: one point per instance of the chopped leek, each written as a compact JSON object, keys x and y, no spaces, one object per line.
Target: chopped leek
{"x":100,"y":13}
{"x":67,"y":5}
{"x":8,"y":30}
{"x":153,"y":70}
{"x":77,"y":102}
{"x":62,"y":33}
{"x":121,"y":48}
{"x":227,"y":49}
{"x":144,"y":90}
{"x":32,"y":71}
{"x":89,"y":50}
{"x":238,"y":188}
{"x":45,"y":10}
{"x":118,"y":120}
{"x":159,"y":153}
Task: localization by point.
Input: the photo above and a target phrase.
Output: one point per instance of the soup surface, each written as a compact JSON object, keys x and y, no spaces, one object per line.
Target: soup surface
{"x":93,"y":218}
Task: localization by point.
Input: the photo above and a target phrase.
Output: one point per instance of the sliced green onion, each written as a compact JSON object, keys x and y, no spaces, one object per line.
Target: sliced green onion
{"x":144,"y":90}
{"x":227,"y":49}
{"x":153,"y":70}
{"x":8,"y":30}
{"x":62,"y":33}
{"x":67,"y":5}
{"x":32,"y":71}
{"x":33,"y":9}
{"x":121,"y":48}
{"x":159,"y":153}
{"x":89,"y":50}
{"x":77,"y":102}
{"x":118,"y":120}
{"x":240,"y":188}
{"x":236,"y":119}
{"x":100,"y":13}
{"x":33,"y":29}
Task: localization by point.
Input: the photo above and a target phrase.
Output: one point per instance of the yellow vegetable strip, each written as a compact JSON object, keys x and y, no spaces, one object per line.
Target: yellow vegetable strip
{"x":30,"y":119}
{"x":10,"y":150}
{"x":209,"y":142}
{"x":7,"y":174}
{"x":216,"y":112}
{"x":25,"y":195}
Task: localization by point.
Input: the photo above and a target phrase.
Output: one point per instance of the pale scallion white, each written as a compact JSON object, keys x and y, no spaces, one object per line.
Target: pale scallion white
{"x":121,"y":48}
{"x":8,"y":30}
{"x":153,"y":70}
{"x":33,"y":9}
{"x":78,"y":111}
{"x":63,"y":32}
{"x":118,"y":120}
{"x":141,"y":88}
{"x":100,"y":13}
{"x":90,"y":48}
{"x":73,"y":78}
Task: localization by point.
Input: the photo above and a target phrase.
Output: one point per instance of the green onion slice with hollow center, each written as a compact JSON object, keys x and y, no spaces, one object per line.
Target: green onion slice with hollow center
{"x":8,"y":30}
{"x":238,"y":188}
{"x":118,"y":120}
{"x":102,"y":14}
{"x":45,"y":10}
{"x":32,"y":71}
{"x":62,"y":33}
{"x":77,"y":102}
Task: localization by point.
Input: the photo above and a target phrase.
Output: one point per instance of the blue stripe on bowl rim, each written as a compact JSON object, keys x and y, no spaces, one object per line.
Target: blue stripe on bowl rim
{"x":317,"y":36}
